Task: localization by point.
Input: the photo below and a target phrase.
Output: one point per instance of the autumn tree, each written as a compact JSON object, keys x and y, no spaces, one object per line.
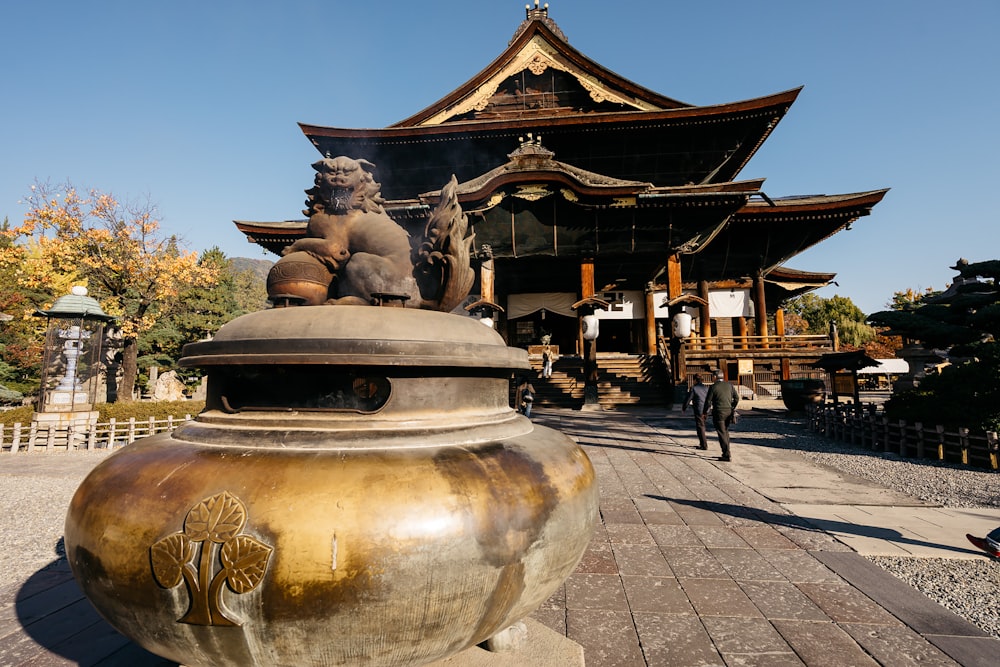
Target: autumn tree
{"x":819,"y":313}
{"x":115,"y":248}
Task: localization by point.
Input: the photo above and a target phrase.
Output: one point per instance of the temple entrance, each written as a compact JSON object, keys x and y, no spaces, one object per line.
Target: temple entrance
{"x":528,"y":330}
{"x":617,"y":336}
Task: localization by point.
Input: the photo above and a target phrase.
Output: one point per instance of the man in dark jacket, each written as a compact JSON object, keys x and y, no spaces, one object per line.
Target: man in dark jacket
{"x":696,"y":401}
{"x":722,"y":399}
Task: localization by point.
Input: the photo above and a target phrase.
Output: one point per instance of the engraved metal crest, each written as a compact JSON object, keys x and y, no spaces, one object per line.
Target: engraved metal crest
{"x":211,"y":538}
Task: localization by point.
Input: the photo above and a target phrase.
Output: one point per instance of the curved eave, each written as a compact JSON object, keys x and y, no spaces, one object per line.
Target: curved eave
{"x":538,"y":28}
{"x":762,"y":236}
{"x":775,"y":105}
{"x":813,"y":205}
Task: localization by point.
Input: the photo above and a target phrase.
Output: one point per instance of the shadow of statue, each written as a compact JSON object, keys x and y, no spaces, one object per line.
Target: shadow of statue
{"x":808,"y":524}
{"x":57,"y":620}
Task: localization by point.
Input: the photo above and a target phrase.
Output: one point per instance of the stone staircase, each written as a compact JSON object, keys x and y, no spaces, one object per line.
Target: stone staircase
{"x":623,"y":379}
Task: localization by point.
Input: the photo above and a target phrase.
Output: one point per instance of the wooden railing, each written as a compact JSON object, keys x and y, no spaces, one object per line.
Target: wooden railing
{"x":103,"y":436}
{"x":698,"y":344}
{"x":865,"y":426}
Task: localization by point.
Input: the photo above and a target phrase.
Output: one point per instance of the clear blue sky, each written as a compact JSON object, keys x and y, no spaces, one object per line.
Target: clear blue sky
{"x":194,"y":104}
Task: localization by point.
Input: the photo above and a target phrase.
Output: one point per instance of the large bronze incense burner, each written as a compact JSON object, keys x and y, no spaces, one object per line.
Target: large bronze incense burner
{"x":356,"y":492}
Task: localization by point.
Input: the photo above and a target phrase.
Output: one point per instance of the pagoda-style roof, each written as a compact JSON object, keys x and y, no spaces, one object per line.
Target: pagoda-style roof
{"x":765,"y":234}
{"x":510,"y":86}
{"x":591,"y":117}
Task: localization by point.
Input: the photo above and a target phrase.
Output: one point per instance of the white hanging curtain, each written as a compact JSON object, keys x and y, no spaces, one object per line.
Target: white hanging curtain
{"x":730,"y":303}
{"x":521,"y":305}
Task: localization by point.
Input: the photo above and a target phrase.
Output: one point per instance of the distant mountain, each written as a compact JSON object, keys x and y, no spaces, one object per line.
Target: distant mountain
{"x":259,"y":267}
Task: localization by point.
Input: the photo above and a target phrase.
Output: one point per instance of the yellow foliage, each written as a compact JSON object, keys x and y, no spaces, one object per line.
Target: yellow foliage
{"x":115,"y":249}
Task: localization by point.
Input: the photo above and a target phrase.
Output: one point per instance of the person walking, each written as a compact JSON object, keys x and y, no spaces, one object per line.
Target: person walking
{"x":547,"y":362}
{"x":722,"y":399}
{"x":525,"y":396}
{"x":696,"y":401}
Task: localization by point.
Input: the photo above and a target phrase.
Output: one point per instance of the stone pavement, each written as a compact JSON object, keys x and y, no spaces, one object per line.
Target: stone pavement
{"x":694,"y":562}
{"x":693,"y":565}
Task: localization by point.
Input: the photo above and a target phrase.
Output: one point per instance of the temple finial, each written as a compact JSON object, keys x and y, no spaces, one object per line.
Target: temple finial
{"x":537,"y":12}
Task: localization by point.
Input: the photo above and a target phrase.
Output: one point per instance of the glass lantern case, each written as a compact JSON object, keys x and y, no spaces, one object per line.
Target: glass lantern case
{"x":71,"y":364}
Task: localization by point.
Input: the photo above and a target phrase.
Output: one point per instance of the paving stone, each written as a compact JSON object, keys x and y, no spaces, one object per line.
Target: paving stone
{"x":670,"y":639}
{"x":897,"y":645}
{"x":693,"y":563}
{"x":746,"y":565}
{"x":554,"y":619}
{"x":557,"y":600}
{"x":719,"y":537}
{"x":782,"y":600}
{"x":674,"y":536}
{"x":762,"y":536}
{"x":661,"y":517}
{"x":696,"y":515}
{"x":598,"y":558}
{"x":846,"y":604}
{"x":608,"y":637}
{"x":656,"y":594}
{"x":640,"y":559}
{"x":626,"y":533}
{"x":630,"y":515}
{"x":782,"y":659}
{"x":798,"y":566}
{"x":744,"y":635}
{"x":968,"y":651}
{"x":718,"y":597}
{"x":822,"y":644}
{"x":595,"y":591}
{"x":899,"y":598}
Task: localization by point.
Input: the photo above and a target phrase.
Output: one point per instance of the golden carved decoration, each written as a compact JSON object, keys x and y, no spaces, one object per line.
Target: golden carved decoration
{"x":538,"y":64}
{"x":569,"y":195}
{"x":532,"y":192}
{"x":537,"y":56}
{"x":623,"y":202}
{"x":214,"y":524}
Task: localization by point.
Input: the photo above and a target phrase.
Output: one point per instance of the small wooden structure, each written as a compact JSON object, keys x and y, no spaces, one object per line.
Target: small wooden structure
{"x":843,"y":368}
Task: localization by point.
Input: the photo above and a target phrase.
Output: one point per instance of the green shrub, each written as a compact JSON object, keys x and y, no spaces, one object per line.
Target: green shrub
{"x":121,"y":412}
{"x":21,"y":414}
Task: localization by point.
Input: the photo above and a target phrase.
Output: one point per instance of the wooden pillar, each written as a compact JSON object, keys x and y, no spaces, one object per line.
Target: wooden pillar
{"x":779,"y":322}
{"x":586,"y":278}
{"x":650,"y":321}
{"x":586,"y":290}
{"x":743,"y":332}
{"x":675,"y":289}
{"x":674,"y":283}
{"x":590,"y":374}
{"x":704,"y":314}
{"x":760,"y":308}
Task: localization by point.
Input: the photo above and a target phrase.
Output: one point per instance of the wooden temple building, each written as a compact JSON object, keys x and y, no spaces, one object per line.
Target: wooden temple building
{"x":584,"y":187}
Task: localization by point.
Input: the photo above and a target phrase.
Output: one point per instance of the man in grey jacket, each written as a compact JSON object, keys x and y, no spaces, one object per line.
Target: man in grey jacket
{"x":696,"y":401}
{"x":722,"y":399}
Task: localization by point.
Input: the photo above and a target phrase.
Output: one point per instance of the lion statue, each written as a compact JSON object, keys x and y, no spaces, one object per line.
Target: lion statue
{"x":354,"y":253}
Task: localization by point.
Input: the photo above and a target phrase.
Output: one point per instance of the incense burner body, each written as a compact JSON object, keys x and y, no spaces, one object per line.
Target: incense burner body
{"x":357,"y":492}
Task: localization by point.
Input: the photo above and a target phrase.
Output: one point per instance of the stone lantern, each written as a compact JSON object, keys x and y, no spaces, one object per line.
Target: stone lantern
{"x":72,"y":360}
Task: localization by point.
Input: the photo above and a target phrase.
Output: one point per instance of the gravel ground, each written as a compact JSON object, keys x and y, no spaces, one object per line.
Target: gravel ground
{"x":35,"y":491}
{"x":970,"y":588}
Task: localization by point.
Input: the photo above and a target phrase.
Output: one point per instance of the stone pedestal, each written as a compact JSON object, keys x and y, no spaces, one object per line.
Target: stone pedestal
{"x":61,"y":422}
{"x":544,"y":647}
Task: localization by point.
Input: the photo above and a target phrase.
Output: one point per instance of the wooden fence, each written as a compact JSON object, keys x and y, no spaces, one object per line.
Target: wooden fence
{"x":865,"y":426}
{"x":103,"y":436}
